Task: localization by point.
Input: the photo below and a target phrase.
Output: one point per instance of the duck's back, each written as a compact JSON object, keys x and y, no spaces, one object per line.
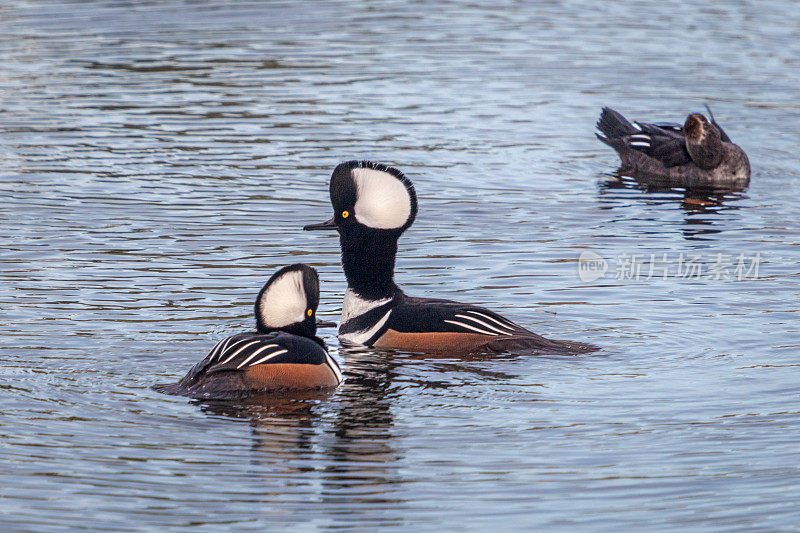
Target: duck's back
{"x":642,"y":146}
{"x":425,"y":324}
{"x":254,"y":362}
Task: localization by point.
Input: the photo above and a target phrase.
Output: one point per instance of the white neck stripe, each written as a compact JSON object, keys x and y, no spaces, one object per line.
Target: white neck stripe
{"x":361,"y":337}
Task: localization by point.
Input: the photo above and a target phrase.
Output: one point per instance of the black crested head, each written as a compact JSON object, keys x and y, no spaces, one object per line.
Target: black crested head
{"x":703,"y":141}
{"x":373,"y":195}
{"x":373,"y":204}
{"x":288,"y":301}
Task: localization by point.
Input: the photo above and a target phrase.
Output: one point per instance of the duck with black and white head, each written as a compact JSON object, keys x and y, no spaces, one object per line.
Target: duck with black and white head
{"x":373,"y":205}
{"x":283,"y":353}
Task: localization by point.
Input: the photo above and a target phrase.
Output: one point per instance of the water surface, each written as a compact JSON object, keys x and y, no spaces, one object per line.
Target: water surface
{"x":158,"y":160}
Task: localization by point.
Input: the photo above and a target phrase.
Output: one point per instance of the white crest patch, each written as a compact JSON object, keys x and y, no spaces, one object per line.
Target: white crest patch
{"x":284,"y":302}
{"x":382,"y":200}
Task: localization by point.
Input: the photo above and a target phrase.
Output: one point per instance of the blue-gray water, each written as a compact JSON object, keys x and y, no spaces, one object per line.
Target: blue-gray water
{"x":158,"y":160}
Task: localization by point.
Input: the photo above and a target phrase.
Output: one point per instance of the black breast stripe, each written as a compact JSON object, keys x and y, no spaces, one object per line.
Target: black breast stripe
{"x":422,"y":315}
{"x":367,"y":320}
{"x":334,"y":366}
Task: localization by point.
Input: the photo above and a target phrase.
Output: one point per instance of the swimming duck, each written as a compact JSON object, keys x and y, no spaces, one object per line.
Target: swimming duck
{"x":695,"y":153}
{"x":283,"y":353}
{"x":373,"y":205}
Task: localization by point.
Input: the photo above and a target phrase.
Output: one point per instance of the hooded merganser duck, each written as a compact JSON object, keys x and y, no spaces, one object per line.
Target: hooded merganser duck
{"x":699,"y":152}
{"x":373,"y":205}
{"x":283,"y":353}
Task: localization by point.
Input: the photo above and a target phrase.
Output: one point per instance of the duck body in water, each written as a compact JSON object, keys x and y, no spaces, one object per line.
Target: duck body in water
{"x":283,"y":353}
{"x":373,"y":205}
{"x":697,"y":153}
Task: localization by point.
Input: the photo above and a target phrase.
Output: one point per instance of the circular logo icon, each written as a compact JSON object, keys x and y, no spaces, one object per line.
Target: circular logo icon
{"x":591,"y":266}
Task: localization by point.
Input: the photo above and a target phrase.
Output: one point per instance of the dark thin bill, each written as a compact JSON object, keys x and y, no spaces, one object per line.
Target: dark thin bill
{"x":328,"y":224}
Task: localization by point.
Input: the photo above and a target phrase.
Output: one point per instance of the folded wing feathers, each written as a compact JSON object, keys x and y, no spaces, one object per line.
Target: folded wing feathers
{"x":266,"y":357}
{"x":668,"y":126}
{"x":250,"y":350}
{"x":222,"y":348}
{"x":214,"y":351}
{"x":237,"y":352}
{"x":465,"y":326}
{"x":484,"y":323}
{"x":640,"y":139}
{"x":256,"y":352}
{"x":500,"y":321}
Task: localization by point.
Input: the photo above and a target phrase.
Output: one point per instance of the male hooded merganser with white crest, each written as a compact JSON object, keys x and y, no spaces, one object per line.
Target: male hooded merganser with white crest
{"x":373,"y":205}
{"x":283,"y":353}
{"x":696,"y":153}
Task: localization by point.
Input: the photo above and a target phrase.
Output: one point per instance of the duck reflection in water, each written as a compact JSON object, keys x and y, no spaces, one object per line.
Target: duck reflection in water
{"x":700,"y":203}
{"x":348,"y":435}
{"x":345,"y":436}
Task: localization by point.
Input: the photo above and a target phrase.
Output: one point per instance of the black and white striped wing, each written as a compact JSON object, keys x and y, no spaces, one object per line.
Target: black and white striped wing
{"x":237,"y":353}
{"x":483,"y":321}
{"x":663,"y":142}
{"x":418,"y":315}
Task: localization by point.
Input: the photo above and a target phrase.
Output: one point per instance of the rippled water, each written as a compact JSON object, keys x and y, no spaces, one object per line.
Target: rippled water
{"x":158,"y":160}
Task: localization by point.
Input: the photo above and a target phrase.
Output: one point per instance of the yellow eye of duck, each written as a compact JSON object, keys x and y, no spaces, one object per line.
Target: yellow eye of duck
{"x":345,"y":214}
{"x":310,"y":312}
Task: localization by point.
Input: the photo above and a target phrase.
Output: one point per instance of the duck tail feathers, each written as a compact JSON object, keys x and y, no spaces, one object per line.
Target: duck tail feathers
{"x":612,"y":126}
